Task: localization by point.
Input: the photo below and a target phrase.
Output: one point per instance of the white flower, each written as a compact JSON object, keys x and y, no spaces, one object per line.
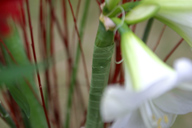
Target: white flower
{"x":177,"y":14}
{"x":154,"y":94}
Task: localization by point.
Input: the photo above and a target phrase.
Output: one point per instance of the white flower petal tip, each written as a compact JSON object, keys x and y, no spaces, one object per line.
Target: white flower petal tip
{"x":113,"y":103}
{"x":183,"y":67}
{"x":109,"y":104}
{"x":142,"y":65}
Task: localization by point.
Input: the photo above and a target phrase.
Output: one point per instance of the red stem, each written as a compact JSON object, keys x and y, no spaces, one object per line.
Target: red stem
{"x":65,"y":21}
{"x":134,"y":27}
{"x":99,"y":5}
{"x":64,"y":38}
{"x":118,"y":58}
{"x":23,"y":26}
{"x":122,"y":77}
{"x":82,"y":53}
{"x":159,"y":39}
{"x":44,"y":49}
{"x":171,"y":52}
{"x":6,"y":97}
{"x":35,"y":58}
{"x":56,"y":94}
{"x":10,"y":54}
{"x":77,"y":13}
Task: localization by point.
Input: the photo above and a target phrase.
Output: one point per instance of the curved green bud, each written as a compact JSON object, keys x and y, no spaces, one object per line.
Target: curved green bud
{"x":141,"y":12}
{"x":175,"y":5}
{"x":176,"y":14}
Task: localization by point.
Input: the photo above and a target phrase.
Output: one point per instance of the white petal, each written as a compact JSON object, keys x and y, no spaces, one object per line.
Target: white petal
{"x":132,"y":120}
{"x":180,"y":21}
{"x":143,"y":65}
{"x":154,"y":117}
{"x":183,"y":67}
{"x":118,"y":102}
{"x":114,"y":103}
{"x":176,"y":101}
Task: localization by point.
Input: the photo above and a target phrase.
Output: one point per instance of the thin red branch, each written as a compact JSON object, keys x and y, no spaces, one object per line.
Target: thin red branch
{"x":122,"y":77}
{"x":84,"y":119}
{"x":42,"y":23}
{"x":171,"y":52}
{"x":10,"y":54}
{"x":77,"y":13}
{"x":64,"y":38}
{"x":159,"y":39}
{"x":65,"y":21}
{"x":82,"y":53}
{"x":134,"y":27}
{"x":118,"y":58}
{"x":6,"y":97}
{"x":56,"y":93}
{"x":35,"y":58}
{"x":99,"y":5}
{"x":23,"y":26}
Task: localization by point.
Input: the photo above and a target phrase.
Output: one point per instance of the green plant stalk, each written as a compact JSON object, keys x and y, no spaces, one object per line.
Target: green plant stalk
{"x":103,"y":51}
{"x":5,"y":115}
{"x":13,"y":43}
{"x":75,"y":66}
{"x":147,"y":30}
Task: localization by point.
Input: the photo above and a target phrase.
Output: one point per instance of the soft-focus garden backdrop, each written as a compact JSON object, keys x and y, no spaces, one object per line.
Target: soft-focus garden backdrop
{"x":168,"y":41}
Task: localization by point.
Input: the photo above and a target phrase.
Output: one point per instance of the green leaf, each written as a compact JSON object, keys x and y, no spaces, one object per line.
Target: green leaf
{"x":7,"y":118}
{"x":14,"y":44}
{"x":21,"y":100}
{"x":141,"y":12}
{"x":9,"y":74}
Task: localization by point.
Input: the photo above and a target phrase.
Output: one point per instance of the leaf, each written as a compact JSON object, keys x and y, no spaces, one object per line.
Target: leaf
{"x":20,"y":98}
{"x":10,"y":74}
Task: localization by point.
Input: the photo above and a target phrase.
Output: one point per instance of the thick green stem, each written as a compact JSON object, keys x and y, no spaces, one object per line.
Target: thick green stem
{"x":103,"y":51}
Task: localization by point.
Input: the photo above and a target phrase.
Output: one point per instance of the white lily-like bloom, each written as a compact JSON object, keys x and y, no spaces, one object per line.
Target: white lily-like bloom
{"x":154,"y":93}
{"x":177,"y":14}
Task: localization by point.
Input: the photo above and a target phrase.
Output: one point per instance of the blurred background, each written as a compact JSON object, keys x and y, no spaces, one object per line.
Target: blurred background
{"x":80,"y":100}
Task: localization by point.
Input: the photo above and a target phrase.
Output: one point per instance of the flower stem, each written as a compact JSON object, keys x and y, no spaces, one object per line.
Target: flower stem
{"x":103,"y":51}
{"x":75,"y":66}
{"x":35,"y":58}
